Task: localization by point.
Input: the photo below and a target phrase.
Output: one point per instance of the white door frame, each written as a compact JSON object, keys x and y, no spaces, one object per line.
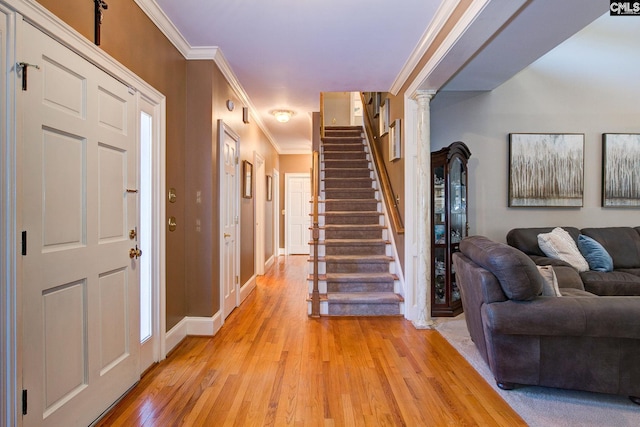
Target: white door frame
{"x":287,"y":186}
{"x":11,"y":204}
{"x":10,"y":301}
{"x":275,"y":200}
{"x":158,"y":210}
{"x":222,"y":130}
{"x":259,"y":211}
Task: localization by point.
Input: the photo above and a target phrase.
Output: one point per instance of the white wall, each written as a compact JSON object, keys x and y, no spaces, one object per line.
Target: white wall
{"x":589,"y":85}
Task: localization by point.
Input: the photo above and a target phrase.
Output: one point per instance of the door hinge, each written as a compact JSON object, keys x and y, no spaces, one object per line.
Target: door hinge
{"x":237,"y":279}
{"x":24,"y":402}
{"x":24,"y":243}
{"x":237,"y":160}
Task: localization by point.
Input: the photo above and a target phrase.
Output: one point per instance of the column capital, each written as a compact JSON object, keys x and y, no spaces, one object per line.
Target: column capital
{"x":424,"y":94}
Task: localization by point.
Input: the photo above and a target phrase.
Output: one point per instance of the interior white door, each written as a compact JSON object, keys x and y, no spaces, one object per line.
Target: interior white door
{"x":298,"y":197}
{"x":229,"y":218}
{"x":80,"y":294}
{"x":260,"y":201}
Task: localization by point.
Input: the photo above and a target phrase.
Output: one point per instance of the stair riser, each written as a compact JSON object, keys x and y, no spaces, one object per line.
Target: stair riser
{"x":360,"y":287}
{"x":353,"y":234}
{"x":364,"y":309}
{"x":330,"y":219}
{"x":365,"y":205}
{"x":335,"y":193}
{"x":347,"y":173}
{"x":328,"y":134}
{"x":342,"y":140}
{"x":357,"y":267}
{"x":364,"y":250}
{"x":337,"y":164}
{"x":330,"y":184}
{"x":346,"y":159}
{"x":335,"y":148}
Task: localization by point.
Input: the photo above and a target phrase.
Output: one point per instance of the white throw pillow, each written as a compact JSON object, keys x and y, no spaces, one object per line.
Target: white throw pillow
{"x":549,"y":281}
{"x":560,"y":245}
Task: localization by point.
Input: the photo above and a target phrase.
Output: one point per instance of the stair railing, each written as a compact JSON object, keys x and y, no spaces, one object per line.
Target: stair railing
{"x":321,"y":114}
{"x":315,"y":183}
{"x":385,"y":182}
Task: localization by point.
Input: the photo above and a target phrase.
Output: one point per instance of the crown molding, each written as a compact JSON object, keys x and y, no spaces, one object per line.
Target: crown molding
{"x":442,"y":15}
{"x":164,"y":24}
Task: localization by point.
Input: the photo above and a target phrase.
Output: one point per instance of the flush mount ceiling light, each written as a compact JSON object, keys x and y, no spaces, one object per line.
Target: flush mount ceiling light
{"x":282,"y":116}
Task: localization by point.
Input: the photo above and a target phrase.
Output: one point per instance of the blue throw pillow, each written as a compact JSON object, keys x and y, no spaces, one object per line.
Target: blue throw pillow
{"x":595,"y":254}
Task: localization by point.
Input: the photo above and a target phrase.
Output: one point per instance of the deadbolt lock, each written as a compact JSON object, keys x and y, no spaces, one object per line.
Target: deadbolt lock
{"x":133,"y":233}
{"x":135,"y":253}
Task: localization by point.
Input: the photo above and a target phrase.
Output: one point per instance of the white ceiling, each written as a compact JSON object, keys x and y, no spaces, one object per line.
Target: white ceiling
{"x":282,"y":53}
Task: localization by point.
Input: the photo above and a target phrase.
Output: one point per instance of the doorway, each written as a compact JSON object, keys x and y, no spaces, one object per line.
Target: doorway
{"x":298,"y":207}
{"x":229,"y":145}
{"x":259,"y":204}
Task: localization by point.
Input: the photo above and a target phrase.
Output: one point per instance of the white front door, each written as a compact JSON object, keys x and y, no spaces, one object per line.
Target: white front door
{"x":80,"y":286}
{"x":297,"y":219}
{"x":229,"y":218}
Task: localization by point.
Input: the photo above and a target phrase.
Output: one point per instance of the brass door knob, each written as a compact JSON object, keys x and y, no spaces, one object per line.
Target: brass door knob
{"x":135,"y":253}
{"x":227,"y":235}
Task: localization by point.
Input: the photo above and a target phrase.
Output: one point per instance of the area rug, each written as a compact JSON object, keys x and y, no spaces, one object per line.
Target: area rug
{"x":543,"y":406}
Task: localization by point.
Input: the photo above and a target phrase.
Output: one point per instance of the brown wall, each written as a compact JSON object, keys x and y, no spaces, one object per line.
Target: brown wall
{"x":196,"y":93}
{"x":290,"y":163}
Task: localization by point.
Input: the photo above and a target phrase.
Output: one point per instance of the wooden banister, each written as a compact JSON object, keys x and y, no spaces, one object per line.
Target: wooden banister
{"x":383,"y":175}
{"x":315,"y":183}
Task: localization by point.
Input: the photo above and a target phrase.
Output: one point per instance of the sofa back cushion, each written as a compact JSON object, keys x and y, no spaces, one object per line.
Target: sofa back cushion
{"x":622,"y":243}
{"x":526,"y":239}
{"x":516,"y":272}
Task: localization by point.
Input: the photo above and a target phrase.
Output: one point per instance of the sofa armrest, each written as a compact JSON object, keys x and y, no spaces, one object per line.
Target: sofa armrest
{"x":614,"y":317}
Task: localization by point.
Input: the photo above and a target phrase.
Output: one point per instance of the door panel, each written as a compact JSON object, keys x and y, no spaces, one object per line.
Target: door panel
{"x":80,"y":297}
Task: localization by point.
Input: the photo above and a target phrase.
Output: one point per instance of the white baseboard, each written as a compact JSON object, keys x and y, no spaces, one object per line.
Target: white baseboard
{"x":282,"y":251}
{"x":269,"y":262}
{"x":247,"y":288}
{"x":203,"y":326}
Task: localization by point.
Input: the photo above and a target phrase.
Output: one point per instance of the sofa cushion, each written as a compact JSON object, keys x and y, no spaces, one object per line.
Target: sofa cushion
{"x":549,"y":281}
{"x":622,"y":243}
{"x":516,"y":272}
{"x":560,"y":245}
{"x":613,"y":283}
{"x":596,"y":255}
{"x":526,"y":239}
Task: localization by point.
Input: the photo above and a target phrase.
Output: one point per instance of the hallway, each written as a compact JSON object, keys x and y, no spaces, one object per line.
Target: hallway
{"x":272,"y":365}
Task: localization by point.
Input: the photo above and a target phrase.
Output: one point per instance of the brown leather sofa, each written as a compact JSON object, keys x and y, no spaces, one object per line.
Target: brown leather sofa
{"x":582,"y":342}
{"x":622,"y":244}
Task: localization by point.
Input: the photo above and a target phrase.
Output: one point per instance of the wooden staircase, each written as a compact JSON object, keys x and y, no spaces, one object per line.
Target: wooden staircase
{"x":356,"y":269}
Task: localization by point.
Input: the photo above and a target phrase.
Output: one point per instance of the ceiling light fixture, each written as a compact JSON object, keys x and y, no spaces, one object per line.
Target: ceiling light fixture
{"x":283,"y":116}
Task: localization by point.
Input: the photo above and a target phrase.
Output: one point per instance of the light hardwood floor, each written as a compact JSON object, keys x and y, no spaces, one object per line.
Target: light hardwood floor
{"x":271,"y":365}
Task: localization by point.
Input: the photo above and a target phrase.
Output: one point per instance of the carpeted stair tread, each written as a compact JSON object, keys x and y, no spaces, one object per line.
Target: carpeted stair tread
{"x":356,"y":277}
{"x":354,"y":227}
{"x":364,"y":297}
{"x":354,"y":242}
{"x":348,"y":259}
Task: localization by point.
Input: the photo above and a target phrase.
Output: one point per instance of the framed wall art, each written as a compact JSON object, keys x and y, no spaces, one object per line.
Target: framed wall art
{"x":621,"y":170}
{"x":546,"y":170}
{"x":383,"y":118}
{"x":395,"y":150}
{"x":247,"y":178}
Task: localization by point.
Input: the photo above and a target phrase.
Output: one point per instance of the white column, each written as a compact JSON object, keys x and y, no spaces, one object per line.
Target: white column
{"x":423,"y":216}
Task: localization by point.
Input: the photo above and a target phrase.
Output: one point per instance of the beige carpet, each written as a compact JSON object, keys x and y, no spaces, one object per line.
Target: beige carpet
{"x":542,"y":406}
